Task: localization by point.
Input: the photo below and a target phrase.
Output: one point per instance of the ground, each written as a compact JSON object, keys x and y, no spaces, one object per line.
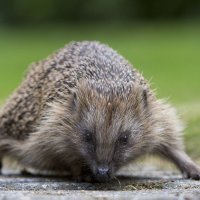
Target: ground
{"x":148,"y":183}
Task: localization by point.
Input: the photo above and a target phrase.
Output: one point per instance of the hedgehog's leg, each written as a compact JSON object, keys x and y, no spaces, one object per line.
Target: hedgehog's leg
{"x":5,"y":147}
{"x":39,"y":151}
{"x":181,"y":160}
{"x":17,"y":149}
{"x":81,"y":173}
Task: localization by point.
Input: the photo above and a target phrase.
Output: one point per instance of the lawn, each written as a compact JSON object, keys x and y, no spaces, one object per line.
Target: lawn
{"x":167,"y":54}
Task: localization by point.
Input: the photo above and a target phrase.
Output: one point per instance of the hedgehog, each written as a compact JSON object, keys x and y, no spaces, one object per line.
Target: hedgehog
{"x":85,"y":109}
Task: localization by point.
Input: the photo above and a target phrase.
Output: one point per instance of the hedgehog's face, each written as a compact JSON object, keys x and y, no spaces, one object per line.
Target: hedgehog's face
{"x":112,"y":133}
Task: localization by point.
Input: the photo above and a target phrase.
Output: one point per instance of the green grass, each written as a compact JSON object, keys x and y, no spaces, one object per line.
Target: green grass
{"x":191,"y":116}
{"x":167,"y":54}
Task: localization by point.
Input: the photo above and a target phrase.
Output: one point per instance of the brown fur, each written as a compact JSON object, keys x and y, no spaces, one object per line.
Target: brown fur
{"x":76,"y":109}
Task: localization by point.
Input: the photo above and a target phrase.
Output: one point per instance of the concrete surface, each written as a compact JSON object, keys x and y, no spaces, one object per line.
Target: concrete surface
{"x":143,"y":183}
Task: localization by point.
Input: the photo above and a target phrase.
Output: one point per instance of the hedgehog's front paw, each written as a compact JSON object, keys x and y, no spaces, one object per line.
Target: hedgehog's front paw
{"x":193,"y":173}
{"x":83,"y":175}
{"x":83,"y":178}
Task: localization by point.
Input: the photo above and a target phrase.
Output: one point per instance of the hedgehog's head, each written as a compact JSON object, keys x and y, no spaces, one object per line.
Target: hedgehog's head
{"x":111,"y":128}
{"x":105,"y":129}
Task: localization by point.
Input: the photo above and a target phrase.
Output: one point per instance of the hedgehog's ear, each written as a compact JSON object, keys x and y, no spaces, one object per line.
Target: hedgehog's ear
{"x":74,"y":101}
{"x":144,"y":99}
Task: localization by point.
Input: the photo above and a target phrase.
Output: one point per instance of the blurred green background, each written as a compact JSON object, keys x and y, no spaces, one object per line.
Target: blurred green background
{"x":160,"y":38}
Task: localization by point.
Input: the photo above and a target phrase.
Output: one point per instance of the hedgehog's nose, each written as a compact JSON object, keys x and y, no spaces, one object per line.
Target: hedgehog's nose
{"x":103,"y":174}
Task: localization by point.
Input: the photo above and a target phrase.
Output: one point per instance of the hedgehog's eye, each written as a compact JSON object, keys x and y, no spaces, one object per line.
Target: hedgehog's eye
{"x":88,"y":136}
{"x":123,"y":139}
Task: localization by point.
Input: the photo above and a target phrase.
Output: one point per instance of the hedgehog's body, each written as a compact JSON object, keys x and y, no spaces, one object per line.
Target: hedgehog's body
{"x":58,"y":75}
{"x":86,"y":108}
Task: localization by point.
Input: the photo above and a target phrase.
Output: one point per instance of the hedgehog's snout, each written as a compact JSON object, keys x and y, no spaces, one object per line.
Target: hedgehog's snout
{"x":103,"y":173}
